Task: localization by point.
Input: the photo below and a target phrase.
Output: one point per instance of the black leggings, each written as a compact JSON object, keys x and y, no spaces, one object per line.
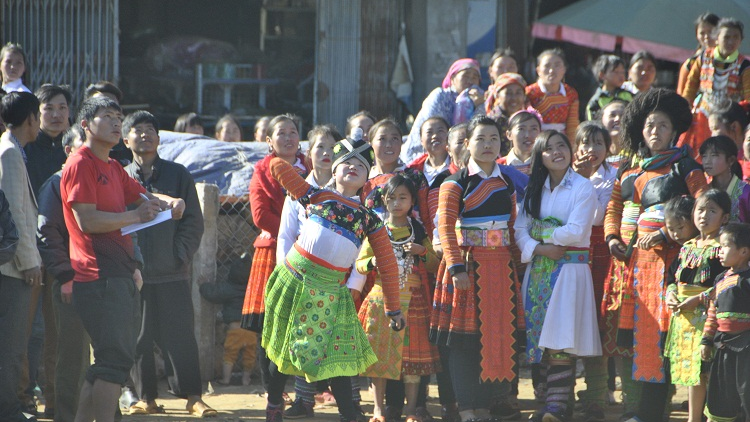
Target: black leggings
{"x":341,"y":387}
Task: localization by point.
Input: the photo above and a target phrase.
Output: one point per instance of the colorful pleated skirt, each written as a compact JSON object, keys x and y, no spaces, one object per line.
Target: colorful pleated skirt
{"x":483,"y":315}
{"x":311,"y":327}
{"x":264,"y":261}
{"x":405,"y":352}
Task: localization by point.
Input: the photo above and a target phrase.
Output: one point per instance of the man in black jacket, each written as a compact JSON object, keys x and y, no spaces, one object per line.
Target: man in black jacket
{"x":167,"y":250}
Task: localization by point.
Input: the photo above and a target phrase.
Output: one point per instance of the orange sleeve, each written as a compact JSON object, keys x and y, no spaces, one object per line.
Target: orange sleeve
{"x":696,"y":182}
{"x":613,"y":215}
{"x":692,"y":84}
{"x":573,"y":120}
{"x":288,"y":177}
{"x":387,"y":268}
{"x":711,"y":325}
{"x":448,"y":206}
{"x":683,"y":76}
{"x":745,"y":80}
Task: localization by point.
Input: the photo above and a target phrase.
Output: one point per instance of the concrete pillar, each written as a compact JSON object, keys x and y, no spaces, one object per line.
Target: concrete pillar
{"x":204,"y":271}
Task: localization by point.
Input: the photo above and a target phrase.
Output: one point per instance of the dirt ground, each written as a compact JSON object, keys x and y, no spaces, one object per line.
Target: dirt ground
{"x":245,"y":403}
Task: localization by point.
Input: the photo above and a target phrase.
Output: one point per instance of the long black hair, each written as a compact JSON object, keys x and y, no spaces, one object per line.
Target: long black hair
{"x":532,"y":202}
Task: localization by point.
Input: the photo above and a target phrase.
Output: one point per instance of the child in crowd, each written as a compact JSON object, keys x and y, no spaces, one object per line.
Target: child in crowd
{"x":406,"y":355}
{"x":189,"y":123}
{"x":13,"y":68}
{"x":555,"y":100}
{"x":523,"y":128}
{"x":731,"y":119}
{"x":228,"y":129}
{"x":722,"y":75}
{"x":435,"y":160}
{"x":260,"y":129}
{"x":719,"y":155}
{"x":727,"y":332}
{"x":705,"y":33}
{"x":611,"y":116}
{"x":691,"y":274}
{"x":230,"y":294}
{"x":593,"y":145}
{"x":610,"y":71}
{"x":311,"y":327}
{"x":641,"y":72}
{"x":363,"y":120}
{"x":476,"y":215}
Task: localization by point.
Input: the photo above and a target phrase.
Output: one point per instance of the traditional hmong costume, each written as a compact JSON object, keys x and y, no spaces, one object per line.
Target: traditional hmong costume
{"x":729,"y":312}
{"x":267,"y":202}
{"x":712,"y":81}
{"x":558,"y":295}
{"x":406,"y":352}
{"x":661,"y":177}
{"x":692,"y":273}
{"x":739,"y":193}
{"x":559,"y":110}
{"x":476,"y":213}
{"x":372,"y":195}
{"x":311,"y":326}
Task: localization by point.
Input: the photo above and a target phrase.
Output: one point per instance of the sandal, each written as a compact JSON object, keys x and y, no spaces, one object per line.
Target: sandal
{"x":377,"y":419}
{"x":145,"y":408}
{"x":201,"y":410}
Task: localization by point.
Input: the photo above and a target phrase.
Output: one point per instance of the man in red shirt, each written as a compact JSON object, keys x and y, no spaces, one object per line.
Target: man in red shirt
{"x":95,"y":192}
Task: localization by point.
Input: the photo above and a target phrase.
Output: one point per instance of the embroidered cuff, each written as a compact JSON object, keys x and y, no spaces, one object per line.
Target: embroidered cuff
{"x":707,"y":341}
{"x":393,"y":313}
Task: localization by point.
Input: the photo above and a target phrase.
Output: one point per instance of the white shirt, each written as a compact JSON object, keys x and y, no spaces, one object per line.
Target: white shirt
{"x":474,"y":169}
{"x":292,"y":216}
{"x":15,"y":86}
{"x":573,"y":202}
{"x":603,"y":181}
{"x":512,"y":160}
{"x":430,"y":173}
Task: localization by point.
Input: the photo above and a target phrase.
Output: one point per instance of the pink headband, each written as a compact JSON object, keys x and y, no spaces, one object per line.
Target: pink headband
{"x":457,"y":66}
{"x":531,"y":111}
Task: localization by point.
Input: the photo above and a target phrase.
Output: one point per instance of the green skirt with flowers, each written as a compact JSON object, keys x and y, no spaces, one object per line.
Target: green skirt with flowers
{"x":311,"y":327}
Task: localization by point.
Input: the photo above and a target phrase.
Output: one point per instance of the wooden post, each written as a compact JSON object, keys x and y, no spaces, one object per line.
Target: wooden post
{"x":204,"y":271}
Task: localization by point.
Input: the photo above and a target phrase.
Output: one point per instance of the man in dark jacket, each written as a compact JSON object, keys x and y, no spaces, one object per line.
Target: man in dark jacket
{"x":167,"y":250}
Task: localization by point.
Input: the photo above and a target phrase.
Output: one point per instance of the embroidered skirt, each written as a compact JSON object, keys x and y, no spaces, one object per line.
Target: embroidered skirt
{"x":405,"y":352}
{"x":651,"y":318}
{"x":483,"y":315}
{"x":264,"y":261}
{"x":683,"y":345}
{"x":311,"y":327}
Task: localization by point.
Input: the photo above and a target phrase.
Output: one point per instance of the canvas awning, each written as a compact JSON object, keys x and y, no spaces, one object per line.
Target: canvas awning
{"x":663,"y":27}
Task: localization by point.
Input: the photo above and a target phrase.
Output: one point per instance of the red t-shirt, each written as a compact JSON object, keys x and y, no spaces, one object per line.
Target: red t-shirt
{"x":87,"y":179}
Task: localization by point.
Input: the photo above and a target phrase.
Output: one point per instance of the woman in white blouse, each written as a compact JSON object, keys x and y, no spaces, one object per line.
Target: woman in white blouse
{"x":552,"y":231}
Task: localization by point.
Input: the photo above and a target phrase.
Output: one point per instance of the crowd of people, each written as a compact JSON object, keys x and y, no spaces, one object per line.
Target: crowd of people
{"x":500,"y":231}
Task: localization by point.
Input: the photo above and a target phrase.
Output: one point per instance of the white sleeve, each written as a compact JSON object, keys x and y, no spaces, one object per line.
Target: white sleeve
{"x":288,"y":228}
{"x":578,"y":227}
{"x":356,"y":280}
{"x":523,"y":239}
{"x":603,"y":193}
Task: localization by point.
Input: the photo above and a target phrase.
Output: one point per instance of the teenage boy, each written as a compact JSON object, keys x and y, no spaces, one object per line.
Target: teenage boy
{"x":168,"y":251}
{"x":95,"y":192}
{"x":20,"y":113}
{"x":727,"y":328}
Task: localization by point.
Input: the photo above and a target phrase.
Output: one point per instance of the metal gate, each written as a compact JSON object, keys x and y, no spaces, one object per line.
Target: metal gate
{"x":73,"y":42}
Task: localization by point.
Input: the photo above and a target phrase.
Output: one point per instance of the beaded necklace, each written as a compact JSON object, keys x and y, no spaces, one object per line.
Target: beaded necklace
{"x":693,"y":256}
{"x":404,"y":259}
